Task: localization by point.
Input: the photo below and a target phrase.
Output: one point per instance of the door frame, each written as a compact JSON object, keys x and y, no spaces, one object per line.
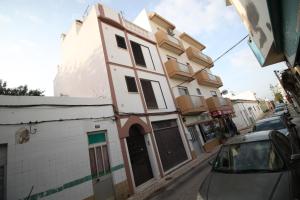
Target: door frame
{"x":108,"y":152}
{"x":152,"y":163}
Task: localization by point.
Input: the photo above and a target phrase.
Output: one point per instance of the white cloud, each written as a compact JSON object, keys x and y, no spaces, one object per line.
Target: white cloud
{"x":195,"y":16}
{"x":244,"y":60}
{"x":4,"y":19}
{"x":31,"y":17}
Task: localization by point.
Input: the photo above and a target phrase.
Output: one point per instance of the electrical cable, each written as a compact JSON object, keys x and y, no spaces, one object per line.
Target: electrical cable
{"x":223,"y":54}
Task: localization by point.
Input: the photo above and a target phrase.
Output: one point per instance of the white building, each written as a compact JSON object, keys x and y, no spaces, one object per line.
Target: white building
{"x":46,"y":144}
{"x":193,"y":84}
{"x":247,"y":109}
{"x":106,"y":56}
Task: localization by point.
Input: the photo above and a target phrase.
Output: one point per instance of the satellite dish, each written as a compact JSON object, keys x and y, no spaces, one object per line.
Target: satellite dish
{"x":22,"y":135}
{"x":224,"y":92}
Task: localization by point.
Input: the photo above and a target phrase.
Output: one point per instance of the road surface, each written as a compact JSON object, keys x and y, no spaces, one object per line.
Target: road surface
{"x":185,"y":187}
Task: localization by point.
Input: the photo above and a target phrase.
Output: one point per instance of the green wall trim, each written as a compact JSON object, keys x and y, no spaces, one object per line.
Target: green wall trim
{"x":69,"y":184}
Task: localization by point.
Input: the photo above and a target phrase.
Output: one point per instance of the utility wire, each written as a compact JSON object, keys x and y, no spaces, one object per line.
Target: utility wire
{"x":223,"y":54}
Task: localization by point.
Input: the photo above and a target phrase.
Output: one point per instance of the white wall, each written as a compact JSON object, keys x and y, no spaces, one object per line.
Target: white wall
{"x":243,"y":115}
{"x":127,"y":101}
{"x":115,"y":53}
{"x":82,"y":72}
{"x":58,"y":152}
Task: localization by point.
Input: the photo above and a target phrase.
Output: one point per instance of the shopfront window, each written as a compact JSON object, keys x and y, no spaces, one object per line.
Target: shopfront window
{"x":209,"y":130}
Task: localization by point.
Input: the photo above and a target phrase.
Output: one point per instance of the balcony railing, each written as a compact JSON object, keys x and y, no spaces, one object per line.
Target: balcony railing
{"x":169,"y":42}
{"x":197,"y":56}
{"x":219,"y":104}
{"x":191,"y":105}
{"x":207,"y":79}
{"x":178,"y":70}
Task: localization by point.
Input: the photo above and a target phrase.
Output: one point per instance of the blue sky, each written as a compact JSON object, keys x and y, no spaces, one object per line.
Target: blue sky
{"x":30,"y":39}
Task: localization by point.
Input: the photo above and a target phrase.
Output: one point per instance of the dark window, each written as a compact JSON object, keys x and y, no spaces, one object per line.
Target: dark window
{"x":131,"y":84}
{"x":213,"y":93}
{"x":149,"y":94}
{"x":183,"y":91}
{"x":283,"y":144}
{"x":121,"y":42}
{"x":138,"y":54}
{"x":169,"y":143}
{"x":198,"y":91}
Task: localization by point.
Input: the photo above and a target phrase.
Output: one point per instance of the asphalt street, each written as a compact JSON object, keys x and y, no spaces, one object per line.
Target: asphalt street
{"x":185,"y":187}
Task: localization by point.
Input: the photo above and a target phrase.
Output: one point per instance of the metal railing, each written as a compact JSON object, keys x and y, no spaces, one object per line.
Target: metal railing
{"x":173,"y":39}
{"x":182,"y":67}
{"x":196,"y":101}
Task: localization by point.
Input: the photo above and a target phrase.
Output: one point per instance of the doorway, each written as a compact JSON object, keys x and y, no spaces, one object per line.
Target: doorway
{"x":138,"y":153}
{"x":100,"y":166}
{"x":195,"y":140}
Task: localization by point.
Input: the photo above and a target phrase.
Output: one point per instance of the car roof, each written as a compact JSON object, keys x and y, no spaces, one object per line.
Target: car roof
{"x":268,"y":119}
{"x":250,"y":137}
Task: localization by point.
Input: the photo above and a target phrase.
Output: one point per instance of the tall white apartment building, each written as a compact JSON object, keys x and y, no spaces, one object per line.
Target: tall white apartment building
{"x":108,"y":57}
{"x":196,"y":89}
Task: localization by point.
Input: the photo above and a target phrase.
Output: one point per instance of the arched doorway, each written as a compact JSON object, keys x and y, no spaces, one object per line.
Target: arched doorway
{"x":138,"y":153}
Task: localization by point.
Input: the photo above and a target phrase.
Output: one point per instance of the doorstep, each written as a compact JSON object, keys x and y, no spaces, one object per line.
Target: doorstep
{"x":168,"y":179}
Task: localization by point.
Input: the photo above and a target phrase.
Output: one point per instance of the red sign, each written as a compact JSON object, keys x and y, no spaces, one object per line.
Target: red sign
{"x":220,"y":112}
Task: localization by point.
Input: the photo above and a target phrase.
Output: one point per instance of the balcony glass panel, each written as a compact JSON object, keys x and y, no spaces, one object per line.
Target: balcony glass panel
{"x":212,"y":77}
{"x":173,"y":39}
{"x":183,"y":68}
{"x":223,"y":102}
{"x":196,"y":101}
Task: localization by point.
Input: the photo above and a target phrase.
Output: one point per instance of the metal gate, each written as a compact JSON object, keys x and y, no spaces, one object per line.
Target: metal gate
{"x":100,"y":166}
{"x":169,"y":143}
{"x":3,"y":165}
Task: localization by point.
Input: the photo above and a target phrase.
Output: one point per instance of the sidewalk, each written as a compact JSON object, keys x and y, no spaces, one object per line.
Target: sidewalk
{"x":170,"y":178}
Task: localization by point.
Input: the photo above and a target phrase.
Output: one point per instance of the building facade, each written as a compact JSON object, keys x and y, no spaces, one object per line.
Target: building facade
{"x":46,"y":144}
{"x":195,"y":88}
{"x":247,"y":112}
{"x":108,"y":57}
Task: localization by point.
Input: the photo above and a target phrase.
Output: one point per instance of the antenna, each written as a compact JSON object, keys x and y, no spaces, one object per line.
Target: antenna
{"x":85,"y":13}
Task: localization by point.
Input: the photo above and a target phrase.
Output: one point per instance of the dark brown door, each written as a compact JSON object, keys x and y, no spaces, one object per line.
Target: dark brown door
{"x":139,"y":158}
{"x":169,"y":143}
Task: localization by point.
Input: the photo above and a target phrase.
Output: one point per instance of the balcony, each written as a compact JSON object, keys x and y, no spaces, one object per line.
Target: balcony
{"x":197,"y":56}
{"x":169,"y":42}
{"x":207,"y":79}
{"x":220,"y":105}
{"x":178,"y":70}
{"x":191,"y":105}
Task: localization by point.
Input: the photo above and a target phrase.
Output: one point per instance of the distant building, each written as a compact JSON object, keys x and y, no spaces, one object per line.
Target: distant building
{"x":248,"y":108}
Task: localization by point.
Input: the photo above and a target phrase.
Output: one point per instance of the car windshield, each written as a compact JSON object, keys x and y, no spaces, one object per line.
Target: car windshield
{"x":279,"y":109}
{"x":248,"y":157}
{"x":274,"y":124}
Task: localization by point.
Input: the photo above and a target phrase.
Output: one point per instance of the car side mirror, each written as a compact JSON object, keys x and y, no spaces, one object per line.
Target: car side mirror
{"x":295,"y":157}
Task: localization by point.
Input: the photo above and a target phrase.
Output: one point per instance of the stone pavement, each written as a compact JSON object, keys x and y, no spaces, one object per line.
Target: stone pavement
{"x":170,"y":178}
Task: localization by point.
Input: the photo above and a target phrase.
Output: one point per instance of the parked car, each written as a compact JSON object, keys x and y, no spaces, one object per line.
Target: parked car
{"x":259,"y":165}
{"x":273,"y":123}
{"x":280,"y":110}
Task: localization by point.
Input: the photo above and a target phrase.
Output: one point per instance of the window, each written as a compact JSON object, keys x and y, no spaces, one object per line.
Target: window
{"x":98,"y":153}
{"x":209,"y":130}
{"x":121,"y":42}
{"x":198,"y":91}
{"x":131,"y":84}
{"x":213,"y":93}
{"x":183,"y":91}
{"x":149,"y":94}
{"x":138,"y":54}
{"x":253,"y":157}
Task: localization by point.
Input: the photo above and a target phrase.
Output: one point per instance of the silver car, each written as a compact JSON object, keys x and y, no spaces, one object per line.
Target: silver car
{"x":255,"y":166}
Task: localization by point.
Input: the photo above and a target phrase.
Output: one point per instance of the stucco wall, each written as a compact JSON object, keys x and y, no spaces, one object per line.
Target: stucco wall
{"x":56,"y":154}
